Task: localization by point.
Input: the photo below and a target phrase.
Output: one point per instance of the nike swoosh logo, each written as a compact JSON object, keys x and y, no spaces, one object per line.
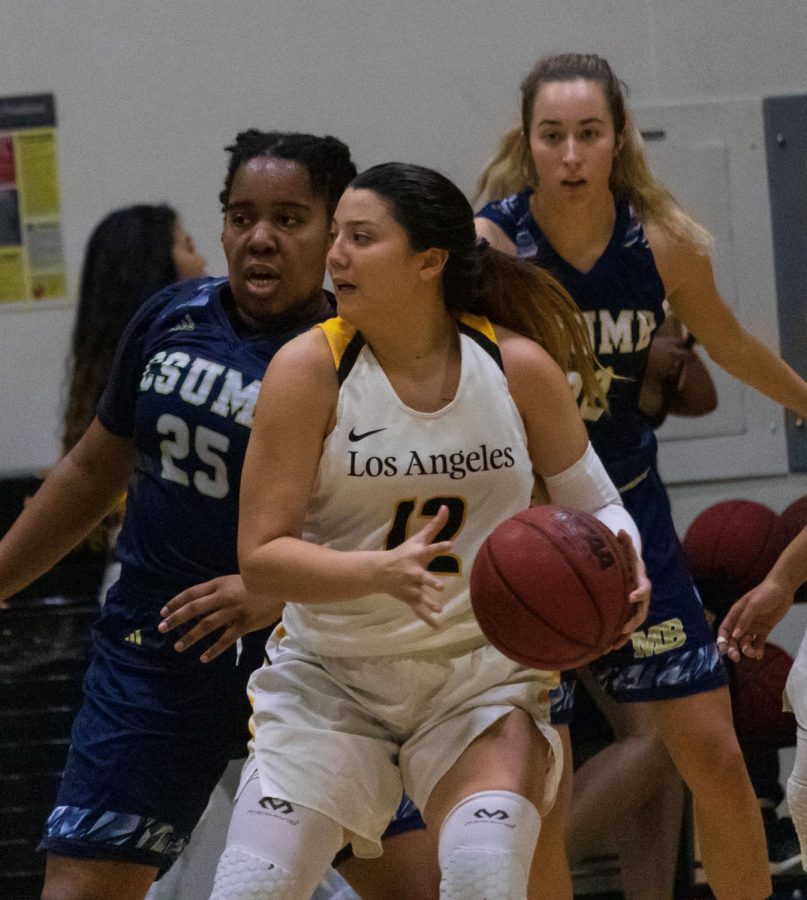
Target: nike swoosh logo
{"x":360,"y":437}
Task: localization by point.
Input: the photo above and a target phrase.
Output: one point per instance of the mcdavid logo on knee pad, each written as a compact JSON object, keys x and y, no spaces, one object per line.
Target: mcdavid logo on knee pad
{"x":277,"y":805}
{"x":483,"y":813}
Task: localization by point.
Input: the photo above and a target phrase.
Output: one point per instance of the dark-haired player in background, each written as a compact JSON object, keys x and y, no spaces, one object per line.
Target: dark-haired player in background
{"x":131,"y":254}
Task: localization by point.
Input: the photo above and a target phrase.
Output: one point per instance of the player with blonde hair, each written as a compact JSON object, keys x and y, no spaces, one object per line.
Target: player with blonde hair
{"x":570,"y":189}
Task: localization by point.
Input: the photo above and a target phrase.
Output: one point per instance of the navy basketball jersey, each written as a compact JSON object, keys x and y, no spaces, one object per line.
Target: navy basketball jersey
{"x":621,"y":298}
{"x":183,"y":387}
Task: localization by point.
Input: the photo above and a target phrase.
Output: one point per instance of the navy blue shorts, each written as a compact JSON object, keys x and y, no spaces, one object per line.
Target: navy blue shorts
{"x":673,"y":654}
{"x":151,"y":740}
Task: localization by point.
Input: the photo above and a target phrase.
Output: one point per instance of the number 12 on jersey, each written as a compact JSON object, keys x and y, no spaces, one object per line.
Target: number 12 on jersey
{"x":447,"y":564}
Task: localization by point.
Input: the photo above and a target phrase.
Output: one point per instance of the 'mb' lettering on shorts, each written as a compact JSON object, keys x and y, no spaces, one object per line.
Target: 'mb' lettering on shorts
{"x":659,"y":638}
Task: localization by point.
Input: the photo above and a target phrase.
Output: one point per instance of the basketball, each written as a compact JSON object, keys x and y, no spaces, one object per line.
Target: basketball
{"x":550,"y":587}
{"x":731,"y":547}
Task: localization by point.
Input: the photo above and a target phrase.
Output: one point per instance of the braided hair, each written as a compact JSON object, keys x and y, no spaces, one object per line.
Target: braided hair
{"x":326,"y":159}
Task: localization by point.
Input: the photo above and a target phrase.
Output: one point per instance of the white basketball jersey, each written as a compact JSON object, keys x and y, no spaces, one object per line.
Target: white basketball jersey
{"x":386,"y":469}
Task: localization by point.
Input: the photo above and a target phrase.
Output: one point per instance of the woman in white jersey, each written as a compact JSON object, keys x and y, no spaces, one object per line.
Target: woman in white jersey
{"x":387,"y":444}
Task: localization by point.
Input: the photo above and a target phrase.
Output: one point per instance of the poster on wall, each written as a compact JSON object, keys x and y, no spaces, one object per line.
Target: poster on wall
{"x":32,"y":266}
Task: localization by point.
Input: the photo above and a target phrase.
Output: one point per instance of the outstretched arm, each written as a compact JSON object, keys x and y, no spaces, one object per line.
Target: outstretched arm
{"x":749,"y":622}
{"x":693,"y":296}
{"x":76,"y":495}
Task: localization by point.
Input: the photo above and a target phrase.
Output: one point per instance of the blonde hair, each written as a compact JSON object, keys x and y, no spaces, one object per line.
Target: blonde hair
{"x":512,"y":168}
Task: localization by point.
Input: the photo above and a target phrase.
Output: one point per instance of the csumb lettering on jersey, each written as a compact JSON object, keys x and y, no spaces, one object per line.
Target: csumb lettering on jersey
{"x":202,"y":382}
{"x":456,"y":465}
{"x":630,"y":332}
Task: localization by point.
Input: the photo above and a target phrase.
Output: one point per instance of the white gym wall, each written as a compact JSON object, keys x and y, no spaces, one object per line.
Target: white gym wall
{"x":148,"y":94}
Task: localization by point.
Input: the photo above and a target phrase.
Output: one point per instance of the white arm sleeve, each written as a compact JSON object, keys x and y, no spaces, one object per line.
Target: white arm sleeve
{"x":587,"y":486}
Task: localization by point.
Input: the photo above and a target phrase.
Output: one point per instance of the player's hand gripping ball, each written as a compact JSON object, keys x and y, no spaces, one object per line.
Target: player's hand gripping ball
{"x":550,"y":587}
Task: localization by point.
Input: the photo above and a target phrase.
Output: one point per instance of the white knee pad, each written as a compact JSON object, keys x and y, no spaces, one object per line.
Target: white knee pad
{"x":275,"y":849}
{"x":243,"y":876}
{"x":486,"y":846}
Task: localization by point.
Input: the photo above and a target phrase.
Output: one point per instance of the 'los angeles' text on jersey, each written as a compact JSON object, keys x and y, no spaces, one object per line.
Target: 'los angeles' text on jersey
{"x":456,"y":464}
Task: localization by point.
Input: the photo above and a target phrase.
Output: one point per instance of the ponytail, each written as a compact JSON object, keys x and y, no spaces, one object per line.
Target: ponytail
{"x":528,"y":300}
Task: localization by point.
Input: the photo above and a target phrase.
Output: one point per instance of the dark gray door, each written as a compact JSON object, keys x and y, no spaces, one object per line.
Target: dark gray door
{"x":786,"y":150}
